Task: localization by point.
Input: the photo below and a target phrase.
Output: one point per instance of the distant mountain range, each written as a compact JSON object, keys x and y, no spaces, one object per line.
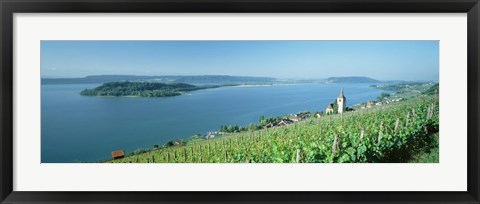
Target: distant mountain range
{"x":201,"y":79}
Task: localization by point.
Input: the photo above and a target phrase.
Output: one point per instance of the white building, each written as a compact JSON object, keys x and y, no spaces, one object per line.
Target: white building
{"x":341,"y":102}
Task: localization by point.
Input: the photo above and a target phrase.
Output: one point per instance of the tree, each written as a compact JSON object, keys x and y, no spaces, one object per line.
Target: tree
{"x":252,"y":127}
{"x":230,"y":128}
{"x":261,"y":119}
{"x":335,"y":107}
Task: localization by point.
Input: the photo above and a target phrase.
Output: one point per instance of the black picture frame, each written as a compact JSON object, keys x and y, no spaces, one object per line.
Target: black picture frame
{"x":10,"y":7}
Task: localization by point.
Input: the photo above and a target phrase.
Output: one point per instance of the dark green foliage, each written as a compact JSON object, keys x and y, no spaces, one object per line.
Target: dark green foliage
{"x":252,"y":127}
{"x":233,"y":129}
{"x":260,"y":119}
{"x":174,"y":143}
{"x":269,"y":120}
{"x":429,"y":154}
{"x":141,"y":89}
{"x":138,"y":151}
{"x":335,"y":107}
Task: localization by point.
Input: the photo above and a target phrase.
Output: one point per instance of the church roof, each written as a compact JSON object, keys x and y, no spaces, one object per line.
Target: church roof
{"x":341,"y":94}
{"x":330,"y":106}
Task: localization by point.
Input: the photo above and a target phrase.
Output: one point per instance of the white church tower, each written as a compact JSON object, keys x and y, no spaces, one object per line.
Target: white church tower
{"x":341,"y":102}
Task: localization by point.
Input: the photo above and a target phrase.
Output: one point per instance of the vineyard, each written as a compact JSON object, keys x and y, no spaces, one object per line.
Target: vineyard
{"x":389,"y":133}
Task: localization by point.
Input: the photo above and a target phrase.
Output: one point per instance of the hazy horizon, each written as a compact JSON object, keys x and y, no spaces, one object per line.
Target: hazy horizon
{"x":293,"y":78}
{"x":381,"y":60}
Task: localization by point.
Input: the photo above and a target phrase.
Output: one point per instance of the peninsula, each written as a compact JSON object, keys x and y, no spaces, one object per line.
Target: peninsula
{"x":144,"y":89}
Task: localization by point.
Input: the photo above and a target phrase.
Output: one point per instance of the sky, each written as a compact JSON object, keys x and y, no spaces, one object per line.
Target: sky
{"x":382,"y":60}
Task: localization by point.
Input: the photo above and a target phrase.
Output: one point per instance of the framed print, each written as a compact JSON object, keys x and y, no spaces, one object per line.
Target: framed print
{"x":239,"y":101}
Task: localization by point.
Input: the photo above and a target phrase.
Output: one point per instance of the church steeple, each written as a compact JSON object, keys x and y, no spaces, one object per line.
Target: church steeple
{"x":341,"y":94}
{"x":341,"y":102}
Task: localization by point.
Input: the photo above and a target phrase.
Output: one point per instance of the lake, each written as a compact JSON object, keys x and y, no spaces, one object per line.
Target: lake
{"x":87,"y":129}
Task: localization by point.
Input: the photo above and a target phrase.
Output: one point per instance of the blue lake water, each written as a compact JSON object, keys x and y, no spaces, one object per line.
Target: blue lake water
{"x":80,"y":128}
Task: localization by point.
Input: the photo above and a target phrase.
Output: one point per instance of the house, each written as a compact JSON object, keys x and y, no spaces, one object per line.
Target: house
{"x":178,"y":143}
{"x":211,"y":134}
{"x":329,"y":109}
{"x":369,"y":104}
{"x":284,"y":121}
{"x":301,"y":116}
{"x":118,"y":154}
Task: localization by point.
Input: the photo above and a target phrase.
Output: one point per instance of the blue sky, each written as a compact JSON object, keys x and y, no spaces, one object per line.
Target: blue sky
{"x":384,"y":60}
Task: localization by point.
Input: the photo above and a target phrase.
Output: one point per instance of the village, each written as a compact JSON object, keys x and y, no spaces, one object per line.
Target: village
{"x":338,"y":107}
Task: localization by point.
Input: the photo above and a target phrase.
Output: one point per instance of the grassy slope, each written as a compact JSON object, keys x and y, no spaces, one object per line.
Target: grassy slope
{"x":316,"y":134}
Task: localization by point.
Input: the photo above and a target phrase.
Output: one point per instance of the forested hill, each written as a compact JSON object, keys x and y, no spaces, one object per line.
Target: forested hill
{"x":142,"y":89}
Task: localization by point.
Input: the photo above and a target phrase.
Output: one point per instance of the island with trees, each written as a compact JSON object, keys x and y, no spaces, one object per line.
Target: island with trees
{"x":144,"y":89}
